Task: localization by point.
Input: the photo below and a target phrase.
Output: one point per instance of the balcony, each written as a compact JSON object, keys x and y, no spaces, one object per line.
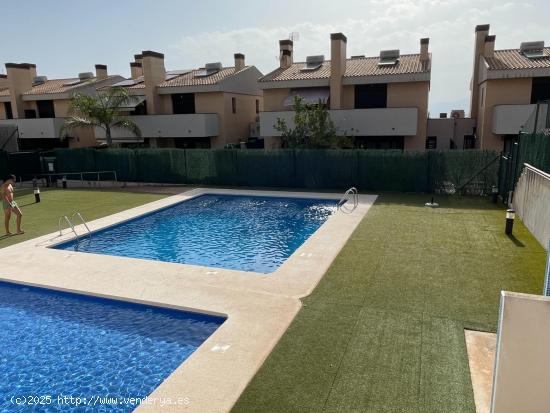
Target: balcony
{"x":510,"y":119}
{"x":48,"y":128}
{"x":354,"y":122}
{"x":197,"y":125}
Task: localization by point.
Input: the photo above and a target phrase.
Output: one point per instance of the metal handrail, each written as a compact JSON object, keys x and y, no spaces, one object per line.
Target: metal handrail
{"x":70,"y":225}
{"x":354,"y":194}
{"x":79,"y":215}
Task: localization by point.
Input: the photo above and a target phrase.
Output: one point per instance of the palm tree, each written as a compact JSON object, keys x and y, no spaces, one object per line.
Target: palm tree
{"x":101,"y":110}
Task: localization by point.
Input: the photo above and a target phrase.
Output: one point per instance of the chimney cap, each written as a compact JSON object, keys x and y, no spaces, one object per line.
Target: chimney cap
{"x":490,"y":38}
{"x":150,"y":53}
{"x":138,"y":56}
{"x":238,"y":56}
{"x":286,"y":42}
{"x":135,"y":64}
{"x":98,"y":66}
{"x":482,"y":28}
{"x":425,"y":40}
{"x":338,"y":36}
{"x":20,"y":65}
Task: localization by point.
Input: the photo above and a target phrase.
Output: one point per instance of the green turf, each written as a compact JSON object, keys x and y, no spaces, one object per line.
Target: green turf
{"x":384,"y":329}
{"x":42,"y":218}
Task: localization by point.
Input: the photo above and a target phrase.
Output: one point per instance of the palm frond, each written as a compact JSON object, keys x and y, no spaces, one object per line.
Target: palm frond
{"x":125,"y":123}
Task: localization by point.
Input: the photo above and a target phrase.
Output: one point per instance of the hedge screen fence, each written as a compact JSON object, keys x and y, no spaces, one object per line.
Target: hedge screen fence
{"x":315,"y":169}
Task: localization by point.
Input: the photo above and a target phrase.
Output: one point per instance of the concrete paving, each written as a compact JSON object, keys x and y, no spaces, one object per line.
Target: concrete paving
{"x":481,"y":357}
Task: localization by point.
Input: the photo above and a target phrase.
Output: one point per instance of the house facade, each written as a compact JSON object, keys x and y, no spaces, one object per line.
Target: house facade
{"x":506,"y":86}
{"x":209,"y":107}
{"x":33,"y":108}
{"x":381,"y":101}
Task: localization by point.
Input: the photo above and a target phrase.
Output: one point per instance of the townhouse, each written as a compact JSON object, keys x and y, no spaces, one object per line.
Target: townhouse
{"x":381,"y":101}
{"x":208,"y":107}
{"x":506,"y":86}
{"x":33,"y":108}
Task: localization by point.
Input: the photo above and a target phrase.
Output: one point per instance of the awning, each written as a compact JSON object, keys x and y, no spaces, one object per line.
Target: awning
{"x":133,"y":102}
{"x":310,"y":95}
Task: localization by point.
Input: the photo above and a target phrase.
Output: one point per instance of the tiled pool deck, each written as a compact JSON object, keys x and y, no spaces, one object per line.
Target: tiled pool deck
{"x":259,"y":307}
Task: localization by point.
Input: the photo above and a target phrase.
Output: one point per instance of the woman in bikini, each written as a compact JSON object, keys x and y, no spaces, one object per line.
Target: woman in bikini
{"x":9,"y":205}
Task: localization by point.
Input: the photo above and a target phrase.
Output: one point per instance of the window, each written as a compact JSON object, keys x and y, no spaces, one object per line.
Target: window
{"x":7,"y":108}
{"x":45,"y":108}
{"x":30,"y":114}
{"x":371,"y":96}
{"x":540,"y":89}
{"x":257,"y":106}
{"x":234,"y":105}
{"x":183,"y":103}
{"x":431,"y":142}
{"x":140,"y":109}
{"x":469,"y":142}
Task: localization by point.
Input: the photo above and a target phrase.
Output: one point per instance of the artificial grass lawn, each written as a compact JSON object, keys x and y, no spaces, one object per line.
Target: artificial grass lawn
{"x":384,"y":329}
{"x":42,"y":218}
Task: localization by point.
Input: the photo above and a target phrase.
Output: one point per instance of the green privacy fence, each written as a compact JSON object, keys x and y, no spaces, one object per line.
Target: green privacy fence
{"x":316,"y":169}
{"x":24,"y":165}
{"x":3,"y":164}
{"x":533,"y":149}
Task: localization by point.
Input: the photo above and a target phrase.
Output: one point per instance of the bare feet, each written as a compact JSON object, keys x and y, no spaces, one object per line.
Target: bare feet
{"x":20,"y":232}
{"x":8,"y":234}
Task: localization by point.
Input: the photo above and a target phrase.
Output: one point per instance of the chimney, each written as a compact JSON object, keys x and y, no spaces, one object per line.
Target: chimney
{"x":285,"y":55}
{"x":101,"y":72}
{"x":136,"y":70}
{"x":481,"y":33}
{"x":489,"y":49}
{"x":154,"y":73}
{"x":3,"y":81}
{"x":239,"y":61}
{"x":20,"y":77}
{"x":138,"y":58}
{"x":338,"y":43}
{"x":424,"y":43}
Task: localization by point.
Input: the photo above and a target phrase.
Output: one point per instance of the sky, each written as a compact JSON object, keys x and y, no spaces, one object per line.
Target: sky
{"x":64,"y":37}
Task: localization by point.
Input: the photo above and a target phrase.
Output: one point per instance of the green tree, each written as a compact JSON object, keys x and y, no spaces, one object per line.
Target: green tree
{"x":313,"y":128}
{"x":102,"y":110}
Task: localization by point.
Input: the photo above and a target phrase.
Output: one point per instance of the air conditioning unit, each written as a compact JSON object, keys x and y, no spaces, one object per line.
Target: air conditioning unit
{"x":38,"y":80}
{"x":85,"y":75}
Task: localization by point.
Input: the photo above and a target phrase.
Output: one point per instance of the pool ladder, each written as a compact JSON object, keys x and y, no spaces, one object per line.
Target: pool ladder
{"x":69,"y":221}
{"x":350,"y":195}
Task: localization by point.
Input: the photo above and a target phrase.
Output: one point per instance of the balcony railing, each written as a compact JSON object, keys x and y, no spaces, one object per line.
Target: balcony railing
{"x":169,"y":126}
{"x":511,"y":119}
{"x":354,"y":122}
{"x":48,"y":128}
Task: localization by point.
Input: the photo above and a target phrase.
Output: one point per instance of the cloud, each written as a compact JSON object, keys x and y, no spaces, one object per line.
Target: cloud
{"x":383,"y":25}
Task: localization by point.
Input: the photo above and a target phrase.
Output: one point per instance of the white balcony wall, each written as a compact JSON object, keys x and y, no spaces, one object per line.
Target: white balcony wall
{"x":355,"y":122}
{"x":48,"y":128}
{"x":170,"y":126}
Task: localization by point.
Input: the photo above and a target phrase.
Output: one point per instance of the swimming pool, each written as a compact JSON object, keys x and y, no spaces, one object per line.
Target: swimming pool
{"x":55,"y":344}
{"x":248,"y":233}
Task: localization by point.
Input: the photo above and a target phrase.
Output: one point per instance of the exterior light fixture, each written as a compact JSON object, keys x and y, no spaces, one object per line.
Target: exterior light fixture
{"x":36,"y":190}
{"x":510,"y":215}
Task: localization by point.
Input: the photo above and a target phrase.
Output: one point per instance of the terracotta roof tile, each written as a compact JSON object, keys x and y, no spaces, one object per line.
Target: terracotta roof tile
{"x":510,"y":59}
{"x":58,"y":86}
{"x":356,"y":66}
{"x":189,"y":79}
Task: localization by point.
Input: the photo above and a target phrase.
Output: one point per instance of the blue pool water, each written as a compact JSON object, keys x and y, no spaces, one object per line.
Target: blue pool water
{"x":58,"y":344}
{"x":249,"y":233}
